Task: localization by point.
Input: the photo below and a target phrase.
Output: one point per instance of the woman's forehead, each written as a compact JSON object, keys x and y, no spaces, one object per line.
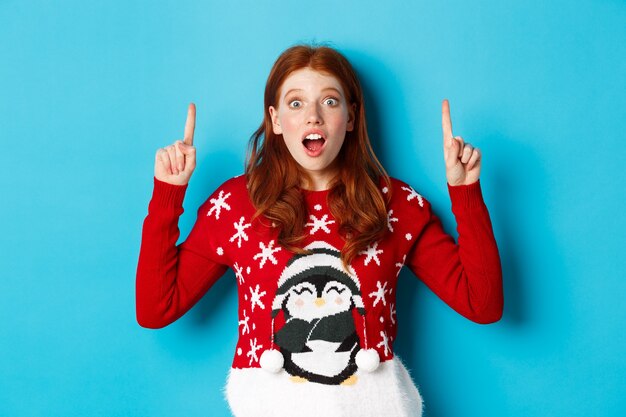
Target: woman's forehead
{"x":307,"y":79}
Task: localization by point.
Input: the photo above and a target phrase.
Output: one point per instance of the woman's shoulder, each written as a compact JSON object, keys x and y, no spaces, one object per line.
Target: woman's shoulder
{"x":236,"y":183}
{"x":234,"y":186}
{"x":398,"y":186}
{"x":229,"y":191}
{"x":403,"y":193}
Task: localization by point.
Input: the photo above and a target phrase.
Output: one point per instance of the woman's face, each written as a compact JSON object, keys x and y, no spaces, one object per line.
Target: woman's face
{"x":313,"y":116}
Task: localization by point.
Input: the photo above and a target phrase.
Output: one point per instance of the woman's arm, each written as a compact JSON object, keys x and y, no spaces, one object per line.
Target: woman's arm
{"x":170,"y":278}
{"x":467,"y":276}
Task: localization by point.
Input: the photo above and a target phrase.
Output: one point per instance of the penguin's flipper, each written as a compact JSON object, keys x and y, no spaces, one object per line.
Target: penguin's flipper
{"x":334,"y":328}
{"x":293,"y":335}
{"x":348,"y":343}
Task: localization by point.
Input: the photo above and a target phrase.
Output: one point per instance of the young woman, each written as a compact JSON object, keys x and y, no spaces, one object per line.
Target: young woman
{"x":316,"y":233}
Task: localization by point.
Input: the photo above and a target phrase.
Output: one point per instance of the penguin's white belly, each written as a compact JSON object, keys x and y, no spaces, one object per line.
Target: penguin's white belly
{"x":322,"y":360}
{"x":322,"y":346}
{"x":388,"y":391}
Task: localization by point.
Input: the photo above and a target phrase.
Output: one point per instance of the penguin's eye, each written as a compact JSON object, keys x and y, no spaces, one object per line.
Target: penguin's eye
{"x":337,"y":289}
{"x":303,"y":290}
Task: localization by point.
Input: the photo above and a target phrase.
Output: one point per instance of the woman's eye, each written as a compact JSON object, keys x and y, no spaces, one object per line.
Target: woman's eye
{"x":331,"y":101}
{"x":295,"y":104}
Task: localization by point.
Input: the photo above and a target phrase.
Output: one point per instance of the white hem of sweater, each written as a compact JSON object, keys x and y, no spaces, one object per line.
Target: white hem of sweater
{"x":388,"y":391}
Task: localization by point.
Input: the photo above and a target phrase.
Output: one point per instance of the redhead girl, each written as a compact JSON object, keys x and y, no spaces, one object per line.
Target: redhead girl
{"x":316,"y":233}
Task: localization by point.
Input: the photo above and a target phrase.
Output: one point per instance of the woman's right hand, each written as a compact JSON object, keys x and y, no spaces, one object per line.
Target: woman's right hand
{"x":175,"y":163}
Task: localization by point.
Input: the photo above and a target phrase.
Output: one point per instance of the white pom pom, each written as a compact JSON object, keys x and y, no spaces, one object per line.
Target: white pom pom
{"x":367,"y":359}
{"x":272,"y":360}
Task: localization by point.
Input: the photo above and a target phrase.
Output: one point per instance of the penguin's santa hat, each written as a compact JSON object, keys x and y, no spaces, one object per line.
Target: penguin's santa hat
{"x":323,"y":259}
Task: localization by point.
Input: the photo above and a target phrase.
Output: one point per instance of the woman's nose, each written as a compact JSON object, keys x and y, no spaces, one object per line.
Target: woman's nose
{"x":314,"y":115}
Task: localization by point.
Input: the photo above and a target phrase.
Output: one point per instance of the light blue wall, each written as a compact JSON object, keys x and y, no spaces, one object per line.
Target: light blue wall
{"x":90,"y":90}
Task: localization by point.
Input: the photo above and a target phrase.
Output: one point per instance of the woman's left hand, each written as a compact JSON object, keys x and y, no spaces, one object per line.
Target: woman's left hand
{"x":462,"y":159}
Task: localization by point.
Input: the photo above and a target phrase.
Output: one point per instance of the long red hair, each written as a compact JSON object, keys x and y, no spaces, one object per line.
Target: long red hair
{"x":274,"y":178}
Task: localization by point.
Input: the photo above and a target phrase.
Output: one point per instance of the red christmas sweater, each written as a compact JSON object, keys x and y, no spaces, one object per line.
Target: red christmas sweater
{"x":317,"y":314}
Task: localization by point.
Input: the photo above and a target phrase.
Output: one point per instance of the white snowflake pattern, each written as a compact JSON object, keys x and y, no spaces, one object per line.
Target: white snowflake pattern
{"x":239,"y":272}
{"x":392,"y":313}
{"x":372,"y":252}
{"x":252,"y":352}
{"x":244,"y":323}
{"x":413,"y":194}
{"x":390,"y":220}
{"x":255,"y":297}
{"x":220,"y":251}
{"x":385,"y":190}
{"x":399,"y":265}
{"x":218,"y":204}
{"x":408,"y":236}
{"x":318,"y":224}
{"x":240,"y":234}
{"x":379,"y":294}
{"x":384,"y":343}
{"x":267,"y":252}
{"x":317,"y":207}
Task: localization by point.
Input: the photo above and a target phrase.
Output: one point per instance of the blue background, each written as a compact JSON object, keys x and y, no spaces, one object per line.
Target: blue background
{"x":90,"y":90}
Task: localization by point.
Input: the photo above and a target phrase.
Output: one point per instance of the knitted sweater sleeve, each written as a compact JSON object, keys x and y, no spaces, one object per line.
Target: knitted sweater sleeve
{"x":171,"y":279}
{"x":467,"y":276}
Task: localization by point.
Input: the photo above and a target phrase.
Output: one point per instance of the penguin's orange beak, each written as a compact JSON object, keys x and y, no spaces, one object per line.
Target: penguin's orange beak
{"x":319,"y":302}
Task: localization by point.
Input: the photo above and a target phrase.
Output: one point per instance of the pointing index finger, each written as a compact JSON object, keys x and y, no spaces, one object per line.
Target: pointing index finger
{"x":446,"y":123}
{"x":190,"y":125}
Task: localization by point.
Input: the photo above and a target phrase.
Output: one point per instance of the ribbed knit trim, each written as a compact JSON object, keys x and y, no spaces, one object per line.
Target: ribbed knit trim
{"x":168,"y":195}
{"x":466,"y":196}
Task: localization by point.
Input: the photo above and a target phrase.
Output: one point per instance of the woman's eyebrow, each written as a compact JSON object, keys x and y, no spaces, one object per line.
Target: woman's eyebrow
{"x":293,"y":90}
{"x":332,"y":89}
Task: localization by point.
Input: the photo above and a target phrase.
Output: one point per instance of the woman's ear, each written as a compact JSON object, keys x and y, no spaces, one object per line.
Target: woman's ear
{"x":351,"y":115}
{"x":275,"y":123}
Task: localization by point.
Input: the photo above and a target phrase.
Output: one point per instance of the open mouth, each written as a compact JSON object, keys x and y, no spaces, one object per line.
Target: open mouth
{"x":313,"y":142}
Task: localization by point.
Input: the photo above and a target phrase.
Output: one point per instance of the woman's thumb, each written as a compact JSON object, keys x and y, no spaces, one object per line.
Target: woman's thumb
{"x":452,"y":151}
{"x":187,"y":150}
{"x":190,"y":156}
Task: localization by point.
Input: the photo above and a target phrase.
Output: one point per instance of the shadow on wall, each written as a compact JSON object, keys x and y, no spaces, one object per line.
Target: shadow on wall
{"x":216,"y":302}
{"x":372,"y":74}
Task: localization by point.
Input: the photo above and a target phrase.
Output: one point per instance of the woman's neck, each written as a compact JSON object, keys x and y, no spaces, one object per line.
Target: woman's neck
{"x":317,"y":182}
{"x":320,"y":180}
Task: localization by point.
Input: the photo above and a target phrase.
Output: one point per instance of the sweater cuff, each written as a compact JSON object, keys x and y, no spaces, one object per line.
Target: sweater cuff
{"x":466,"y":196}
{"x":168,"y":195}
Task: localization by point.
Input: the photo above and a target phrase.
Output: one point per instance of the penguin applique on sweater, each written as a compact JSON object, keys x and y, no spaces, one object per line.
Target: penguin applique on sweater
{"x":317,"y":295}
